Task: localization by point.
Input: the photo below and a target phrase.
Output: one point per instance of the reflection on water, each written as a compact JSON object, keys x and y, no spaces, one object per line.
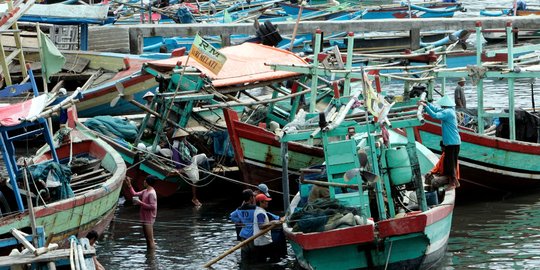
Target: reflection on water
{"x":496,"y":235}
{"x":501,"y":234}
{"x":187,"y":238}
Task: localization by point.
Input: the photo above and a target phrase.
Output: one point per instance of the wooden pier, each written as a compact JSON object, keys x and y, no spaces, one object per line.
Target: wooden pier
{"x":138,"y":32}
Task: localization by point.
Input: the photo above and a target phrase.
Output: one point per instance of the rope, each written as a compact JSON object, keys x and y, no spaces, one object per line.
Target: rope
{"x":388,"y":258}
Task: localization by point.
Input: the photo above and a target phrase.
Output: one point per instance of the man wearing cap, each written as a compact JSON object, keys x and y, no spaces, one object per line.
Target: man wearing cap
{"x":450,"y":136}
{"x":187,"y":160}
{"x":262,"y":189}
{"x":262,"y":220}
{"x":459,"y":95}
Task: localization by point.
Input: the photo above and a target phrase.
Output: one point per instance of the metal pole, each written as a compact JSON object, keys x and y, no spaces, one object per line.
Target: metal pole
{"x":480,"y":83}
{"x":31,"y":214}
{"x":511,"y":105}
{"x":285,"y":174}
{"x":348,"y":64}
{"x":315,"y":72}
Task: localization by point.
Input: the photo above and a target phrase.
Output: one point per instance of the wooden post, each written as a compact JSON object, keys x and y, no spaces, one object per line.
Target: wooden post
{"x":296,"y":26}
{"x":285,"y":174}
{"x":415,"y":38}
{"x":30,"y":206}
{"x":225,"y":40}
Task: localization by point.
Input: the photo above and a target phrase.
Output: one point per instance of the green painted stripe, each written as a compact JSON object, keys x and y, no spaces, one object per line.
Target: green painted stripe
{"x":269,"y":154}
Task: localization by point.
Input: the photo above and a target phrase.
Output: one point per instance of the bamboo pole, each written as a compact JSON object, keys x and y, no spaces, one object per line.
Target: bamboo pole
{"x":241,"y":244}
{"x":222,"y":105}
{"x":329,"y":184}
{"x":296,"y":26}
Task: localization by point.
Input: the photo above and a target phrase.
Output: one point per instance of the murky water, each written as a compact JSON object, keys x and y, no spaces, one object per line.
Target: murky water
{"x":187,"y":237}
{"x":498,"y":234}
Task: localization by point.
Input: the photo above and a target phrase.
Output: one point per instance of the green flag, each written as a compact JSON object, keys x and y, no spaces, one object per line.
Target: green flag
{"x":227,"y":17}
{"x":52,"y":60}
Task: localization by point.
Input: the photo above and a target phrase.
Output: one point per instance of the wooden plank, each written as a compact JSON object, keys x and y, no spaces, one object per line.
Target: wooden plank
{"x":89,"y":180}
{"x":79,"y":191}
{"x":53,"y":255}
{"x":84,"y":175}
{"x":75,"y":64}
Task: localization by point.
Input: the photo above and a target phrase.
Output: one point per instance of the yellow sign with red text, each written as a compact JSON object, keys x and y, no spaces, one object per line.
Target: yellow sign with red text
{"x":208,"y":56}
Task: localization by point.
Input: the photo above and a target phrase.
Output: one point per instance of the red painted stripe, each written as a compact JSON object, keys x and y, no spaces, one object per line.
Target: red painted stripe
{"x":112,"y":88}
{"x":401,"y":226}
{"x":264,"y":136}
{"x":231,"y":118}
{"x":487,"y":141}
{"x":413,"y":223}
{"x":334,"y":238}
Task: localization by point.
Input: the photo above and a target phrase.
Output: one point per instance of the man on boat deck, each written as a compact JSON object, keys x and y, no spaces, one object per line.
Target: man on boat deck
{"x":450,"y":136}
{"x":148,"y":97}
{"x":147,"y":199}
{"x":459,"y":95}
{"x":187,"y":160}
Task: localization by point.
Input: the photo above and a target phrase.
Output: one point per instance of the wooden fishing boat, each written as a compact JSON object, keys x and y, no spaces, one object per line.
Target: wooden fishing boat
{"x":195,"y":93}
{"x":421,"y":10}
{"x":81,"y":191}
{"x":368,"y":228}
{"x":498,"y":163}
{"x":257,"y":152}
{"x":101,"y":72}
{"x":498,"y":35}
{"x":257,"y":149}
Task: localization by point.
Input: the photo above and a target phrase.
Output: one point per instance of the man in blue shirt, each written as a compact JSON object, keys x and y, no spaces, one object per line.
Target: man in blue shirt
{"x":243,"y":218}
{"x":450,"y":136}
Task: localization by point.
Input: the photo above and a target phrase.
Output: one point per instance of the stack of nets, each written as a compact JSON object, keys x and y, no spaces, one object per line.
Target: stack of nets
{"x":321,"y":215}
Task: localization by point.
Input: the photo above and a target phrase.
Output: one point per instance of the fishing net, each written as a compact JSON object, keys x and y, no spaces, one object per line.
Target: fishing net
{"x":321,"y":215}
{"x":57,"y":177}
{"x":113,"y":127}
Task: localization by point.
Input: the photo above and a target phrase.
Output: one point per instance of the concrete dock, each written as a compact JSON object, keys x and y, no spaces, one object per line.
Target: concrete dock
{"x":138,"y":32}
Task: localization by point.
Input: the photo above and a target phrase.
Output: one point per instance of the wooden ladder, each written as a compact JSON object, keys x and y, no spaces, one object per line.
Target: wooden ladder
{"x":8,"y":24}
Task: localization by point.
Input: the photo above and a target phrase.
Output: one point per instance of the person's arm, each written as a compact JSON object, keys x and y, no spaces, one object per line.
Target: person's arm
{"x":151,"y":204}
{"x":130,"y":189}
{"x":435,"y":112}
{"x":234,"y":216}
{"x":272,"y":216}
{"x":192,"y":148}
{"x":261,"y":221}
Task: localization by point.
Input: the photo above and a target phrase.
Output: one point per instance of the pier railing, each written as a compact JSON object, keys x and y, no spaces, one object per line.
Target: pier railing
{"x":138,"y":32}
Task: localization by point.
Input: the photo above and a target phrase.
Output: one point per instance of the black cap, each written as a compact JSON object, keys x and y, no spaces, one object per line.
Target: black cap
{"x":247,"y":194}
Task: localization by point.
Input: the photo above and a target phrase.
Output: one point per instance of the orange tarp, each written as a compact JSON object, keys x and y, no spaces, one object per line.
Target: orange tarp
{"x":245,"y":64}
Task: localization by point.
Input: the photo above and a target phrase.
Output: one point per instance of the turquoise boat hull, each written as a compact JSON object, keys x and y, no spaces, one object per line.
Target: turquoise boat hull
{"x":487,"y":161}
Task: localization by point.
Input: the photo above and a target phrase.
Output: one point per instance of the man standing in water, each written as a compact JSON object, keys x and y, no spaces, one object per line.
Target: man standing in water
{"x":265,"y":244}
{"x":450,"y":136}
{"x":243,"y":219}
{"x":459,"y":95}
{"x":147,"y":199}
